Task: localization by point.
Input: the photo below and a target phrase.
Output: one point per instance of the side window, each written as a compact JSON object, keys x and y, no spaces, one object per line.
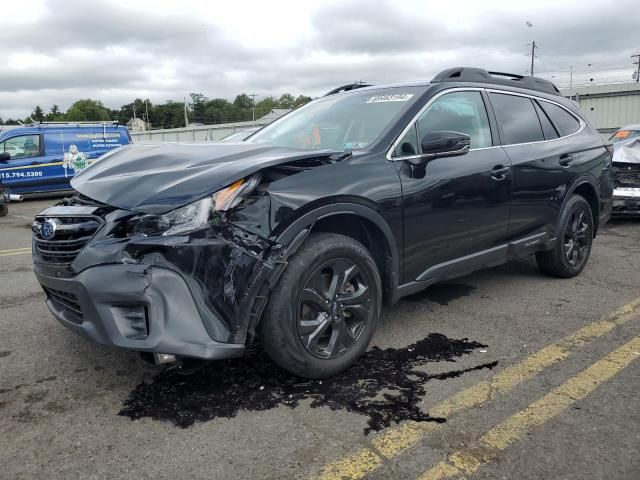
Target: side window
{"x":517,"y":117}
{"x":547,"y":127}
{"x":408,"y":145}
{"x":462,"y":112}
{"x":565,"y":123}
{"x":24,"y":146}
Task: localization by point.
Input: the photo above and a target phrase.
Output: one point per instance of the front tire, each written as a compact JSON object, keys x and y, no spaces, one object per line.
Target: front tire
{"x":575,"y":236}
{"x":325,"y":308}
{"x":4,"y":209}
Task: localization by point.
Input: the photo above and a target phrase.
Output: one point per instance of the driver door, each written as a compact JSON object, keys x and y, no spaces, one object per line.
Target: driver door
{"x":456,"y":209}
{"x":19,"y":170}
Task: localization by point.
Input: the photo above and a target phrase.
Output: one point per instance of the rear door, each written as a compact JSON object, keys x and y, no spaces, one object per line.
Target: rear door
{"x":454,"y":207}
{"x":537,"y":134}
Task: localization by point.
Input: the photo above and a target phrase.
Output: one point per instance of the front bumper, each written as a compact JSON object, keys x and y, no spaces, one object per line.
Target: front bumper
{"x":625,"y":204}
{"x":135,"y":307}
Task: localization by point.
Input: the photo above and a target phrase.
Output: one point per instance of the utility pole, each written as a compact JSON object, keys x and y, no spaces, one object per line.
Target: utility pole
{"x":186,"y":118}
{"x":533,"y":55}
{"x":571,"y":82}
{"x":637,"y":62}
{"x":253,"y":106}
{"x":146,"y":108}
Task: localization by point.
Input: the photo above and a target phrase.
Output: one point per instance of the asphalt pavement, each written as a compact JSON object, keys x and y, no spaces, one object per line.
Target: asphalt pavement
{"x":504,"y":373}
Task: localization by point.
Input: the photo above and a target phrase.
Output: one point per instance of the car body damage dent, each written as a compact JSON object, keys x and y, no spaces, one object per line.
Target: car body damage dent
{"x":160,"y":178}
{"x":626,"y":194}
{"x":220,"y":270}
{"x":225,"y":270}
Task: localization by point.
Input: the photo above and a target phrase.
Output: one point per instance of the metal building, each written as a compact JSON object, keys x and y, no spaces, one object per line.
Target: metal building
{"x":608,"y":107}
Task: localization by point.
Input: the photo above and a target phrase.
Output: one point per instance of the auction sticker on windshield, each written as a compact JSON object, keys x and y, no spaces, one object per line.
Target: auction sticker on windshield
{"x":401,"y":97}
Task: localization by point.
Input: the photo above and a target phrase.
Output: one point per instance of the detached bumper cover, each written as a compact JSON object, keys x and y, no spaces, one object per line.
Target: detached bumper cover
{"x":135,"y":307}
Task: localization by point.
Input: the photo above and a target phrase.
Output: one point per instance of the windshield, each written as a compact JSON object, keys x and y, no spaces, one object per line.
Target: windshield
{"x":344,"y":121}
{"x":624,"y":135}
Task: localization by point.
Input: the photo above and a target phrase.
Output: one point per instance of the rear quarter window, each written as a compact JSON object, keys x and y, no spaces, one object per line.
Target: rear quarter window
{"x":547,"y":127}
{"x":565,"y":123}
{"x":517,"y":117}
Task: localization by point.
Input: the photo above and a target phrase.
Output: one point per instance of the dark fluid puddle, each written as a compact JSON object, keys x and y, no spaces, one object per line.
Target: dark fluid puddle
{"x":383,"y":385}
{"x":442,"y":293}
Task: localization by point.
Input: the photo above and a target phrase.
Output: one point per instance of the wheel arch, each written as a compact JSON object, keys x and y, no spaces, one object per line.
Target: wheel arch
{"x":586,"y":187}
{"x":359,"y":222}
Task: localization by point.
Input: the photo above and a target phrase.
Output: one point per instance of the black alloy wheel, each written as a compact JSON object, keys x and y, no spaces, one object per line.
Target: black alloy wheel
{"x":333,"y":308}
{"x":325,"y":308}
{"x":577,"y":237}
{"x":571,"y":251}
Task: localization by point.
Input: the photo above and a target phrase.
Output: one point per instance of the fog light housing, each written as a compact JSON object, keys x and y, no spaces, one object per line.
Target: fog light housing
{"x":132,"y":321}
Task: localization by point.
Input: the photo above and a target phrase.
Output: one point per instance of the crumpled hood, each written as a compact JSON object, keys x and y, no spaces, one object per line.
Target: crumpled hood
{"x":159,"y":178}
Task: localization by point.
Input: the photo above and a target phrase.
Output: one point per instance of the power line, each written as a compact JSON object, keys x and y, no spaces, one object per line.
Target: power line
{"x":585,"y":70}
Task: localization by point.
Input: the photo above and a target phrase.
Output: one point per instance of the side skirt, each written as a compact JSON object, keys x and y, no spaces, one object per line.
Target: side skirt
{"x":485,"y":259}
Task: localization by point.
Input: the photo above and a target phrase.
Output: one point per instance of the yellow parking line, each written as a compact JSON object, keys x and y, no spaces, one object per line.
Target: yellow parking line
{"x":14,"y":251}
{"x":393,"y":441}
{"x":469,"y":460}
{"x":11,"y":250}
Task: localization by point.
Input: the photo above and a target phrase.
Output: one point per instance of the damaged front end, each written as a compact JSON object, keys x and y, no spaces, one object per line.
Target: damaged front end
{"x":186,"y":295}
{"x":166,"y":271}
{"x":626,"y":176}
{"x":626,"y":194}
{"x":193,"y":294}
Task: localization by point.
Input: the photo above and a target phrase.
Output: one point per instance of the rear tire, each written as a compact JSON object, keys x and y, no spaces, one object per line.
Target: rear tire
{"x":4,"y":209}
{"x":324,"y":310}
{"x":573,"y":246}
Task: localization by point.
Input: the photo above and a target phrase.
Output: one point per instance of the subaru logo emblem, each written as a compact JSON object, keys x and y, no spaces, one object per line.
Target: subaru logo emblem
{"x":48,"y":229}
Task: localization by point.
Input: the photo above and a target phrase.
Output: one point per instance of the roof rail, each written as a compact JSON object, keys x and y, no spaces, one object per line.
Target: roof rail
{"x":346,"y":88}
{"x":479,"y":75}
{"x":45,"y":123}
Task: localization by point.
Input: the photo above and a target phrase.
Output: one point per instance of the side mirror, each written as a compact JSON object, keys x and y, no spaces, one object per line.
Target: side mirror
{"x":4,"y":156}
{"x":444,"y":144}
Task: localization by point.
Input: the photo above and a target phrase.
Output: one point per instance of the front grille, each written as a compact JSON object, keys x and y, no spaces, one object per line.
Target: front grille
{"x":66,"y":300}
{"x":70,"y":237}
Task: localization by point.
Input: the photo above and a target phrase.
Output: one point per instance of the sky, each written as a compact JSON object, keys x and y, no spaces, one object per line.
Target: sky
{"x":56,"y":52}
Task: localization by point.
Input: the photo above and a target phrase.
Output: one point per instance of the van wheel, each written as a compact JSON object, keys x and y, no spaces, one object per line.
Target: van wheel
{"x":4,"y":209}
{"x":324,"y":310}
{"x":575,"y":236}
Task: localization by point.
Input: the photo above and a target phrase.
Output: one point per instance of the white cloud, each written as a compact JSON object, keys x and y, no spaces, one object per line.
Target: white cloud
{"x":120,"y":50}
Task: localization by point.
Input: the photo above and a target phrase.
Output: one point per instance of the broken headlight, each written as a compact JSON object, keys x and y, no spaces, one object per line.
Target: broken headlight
{"x":194,"y":216}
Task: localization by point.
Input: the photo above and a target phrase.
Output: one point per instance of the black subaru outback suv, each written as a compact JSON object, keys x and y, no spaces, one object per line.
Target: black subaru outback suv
{"x":300,"y":233}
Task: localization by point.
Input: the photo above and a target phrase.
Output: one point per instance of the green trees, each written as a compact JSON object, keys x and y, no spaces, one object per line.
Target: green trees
{"x":170,"y":114}
{"x":37,"y":114}
{"x":87,"y":110}
{"x":54,"y":115}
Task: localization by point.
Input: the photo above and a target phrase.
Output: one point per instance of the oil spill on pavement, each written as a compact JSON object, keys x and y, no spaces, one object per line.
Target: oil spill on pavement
{"x":384,"y":385}
{"x":442,"y":293}
{"x":5,"y":353}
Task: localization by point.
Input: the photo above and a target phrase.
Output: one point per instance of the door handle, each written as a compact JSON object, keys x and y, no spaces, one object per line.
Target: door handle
{"x":565,"y":160}
{"x":500,"y":172}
